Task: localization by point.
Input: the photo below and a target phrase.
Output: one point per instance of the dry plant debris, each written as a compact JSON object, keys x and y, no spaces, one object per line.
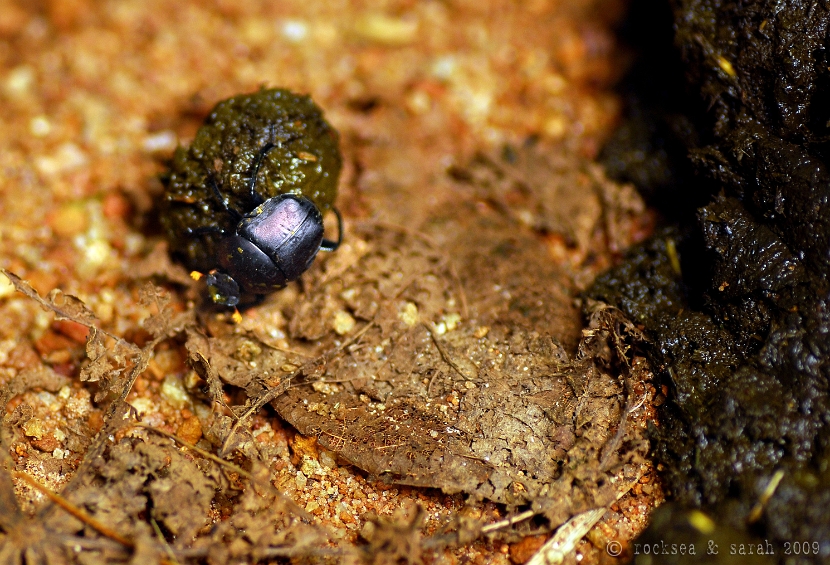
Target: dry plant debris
{"x":136,"y":415}
{"x":424,"y":359}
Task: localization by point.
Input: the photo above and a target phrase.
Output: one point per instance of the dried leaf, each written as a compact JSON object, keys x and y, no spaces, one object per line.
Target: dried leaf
{"x":159,"y":323}
{"x":65,"y":306}
{"x":493,"y":405}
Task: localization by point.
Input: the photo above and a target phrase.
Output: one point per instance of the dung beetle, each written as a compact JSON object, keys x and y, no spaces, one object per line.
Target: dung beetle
{"x":272,"y":245}
{"x":244,"y":204}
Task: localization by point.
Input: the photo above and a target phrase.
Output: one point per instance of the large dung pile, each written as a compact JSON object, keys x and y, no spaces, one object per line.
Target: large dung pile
{"x":736,"y":301}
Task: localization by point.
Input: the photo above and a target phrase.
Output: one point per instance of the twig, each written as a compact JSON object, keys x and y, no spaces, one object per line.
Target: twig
{"x":75,"y":511}
{"x":445,"y":354}
{"x":507,"y":522}
{"x":163,"y":542}
{"x":260,"y":401}
{"x":284,"y":350}
{"x":769,"y":490}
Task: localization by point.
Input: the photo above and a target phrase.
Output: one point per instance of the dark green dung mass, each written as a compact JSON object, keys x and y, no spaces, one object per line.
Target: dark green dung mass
{"x":305,"y":160}
{"x":736,"y":301}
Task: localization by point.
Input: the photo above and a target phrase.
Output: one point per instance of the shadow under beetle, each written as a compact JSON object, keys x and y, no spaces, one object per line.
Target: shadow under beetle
{"x":244,"y":203}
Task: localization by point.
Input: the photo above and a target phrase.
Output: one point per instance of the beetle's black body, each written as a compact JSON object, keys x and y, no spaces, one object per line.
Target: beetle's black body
{"x":245,"y":201}
{"x":273,"y":245}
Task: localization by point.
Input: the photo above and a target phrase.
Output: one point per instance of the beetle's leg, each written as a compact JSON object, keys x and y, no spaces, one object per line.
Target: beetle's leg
{"x":256,"y":198}
{"x":222,"y":289}
{"x":327,"y":245}
{"x":204,"y":230}
{"x":212,"y":182}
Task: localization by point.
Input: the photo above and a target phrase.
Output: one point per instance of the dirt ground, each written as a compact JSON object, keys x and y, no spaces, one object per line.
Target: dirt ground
{"x":434,"y":391}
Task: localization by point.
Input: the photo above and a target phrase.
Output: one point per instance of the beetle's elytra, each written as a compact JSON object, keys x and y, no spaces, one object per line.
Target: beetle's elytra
{"x":245,"y":202}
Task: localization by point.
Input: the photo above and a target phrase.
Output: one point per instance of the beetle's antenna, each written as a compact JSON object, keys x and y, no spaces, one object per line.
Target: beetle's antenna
{"x":327,"y":245}
{"x":255,"y":198}
{"x":212,"y":182}
{"x":204,"y":230}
